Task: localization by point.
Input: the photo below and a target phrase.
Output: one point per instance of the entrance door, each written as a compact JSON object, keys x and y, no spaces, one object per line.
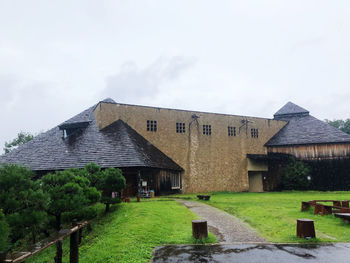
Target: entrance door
{"x":255,"y":182}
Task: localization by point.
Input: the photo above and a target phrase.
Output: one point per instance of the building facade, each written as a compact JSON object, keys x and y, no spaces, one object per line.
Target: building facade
{"x":211,"y":148}
{"x":170,"y":150}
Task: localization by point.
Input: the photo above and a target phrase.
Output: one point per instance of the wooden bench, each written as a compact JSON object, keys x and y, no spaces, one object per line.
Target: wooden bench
{"x":337,"y":207}
{"x":203,"y":197}
{"x":344,"y":216}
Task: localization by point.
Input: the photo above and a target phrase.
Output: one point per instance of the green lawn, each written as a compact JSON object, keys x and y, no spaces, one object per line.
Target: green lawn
{"x":130,"y":233}
{"x":274,"y":214}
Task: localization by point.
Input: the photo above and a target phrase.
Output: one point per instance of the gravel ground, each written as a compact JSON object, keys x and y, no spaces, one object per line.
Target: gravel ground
{"x":227,"y":228}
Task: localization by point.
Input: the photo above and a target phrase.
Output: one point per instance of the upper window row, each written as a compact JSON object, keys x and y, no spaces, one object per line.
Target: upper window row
{"x":181,"y":128}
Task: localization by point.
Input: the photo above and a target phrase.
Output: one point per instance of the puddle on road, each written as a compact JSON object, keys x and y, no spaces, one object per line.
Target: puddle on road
{"x":254,"y":253}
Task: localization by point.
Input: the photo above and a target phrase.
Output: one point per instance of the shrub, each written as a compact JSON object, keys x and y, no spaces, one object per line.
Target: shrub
{"x":5,"y":231}
{"x":69,"y":191}
{"x":22,"y":201}
{"x":108,"y":181}
{"x":296,"y":176}
{"x":112,"y":180}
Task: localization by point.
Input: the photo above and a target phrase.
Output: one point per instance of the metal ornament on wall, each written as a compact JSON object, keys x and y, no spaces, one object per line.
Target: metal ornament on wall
{"x":245,"y":123}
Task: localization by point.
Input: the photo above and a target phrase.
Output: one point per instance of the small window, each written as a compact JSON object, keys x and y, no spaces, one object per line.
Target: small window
{"x":151,"y":126}
{"x":207,"y":129}
{"x":231,"y":131}
{"x":175,"y":181}
{"x":180,"y":127}
{"x":254,"y":133}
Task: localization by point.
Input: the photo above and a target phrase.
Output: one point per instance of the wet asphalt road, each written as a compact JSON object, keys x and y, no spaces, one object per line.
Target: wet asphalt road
{"x":254,"y":253}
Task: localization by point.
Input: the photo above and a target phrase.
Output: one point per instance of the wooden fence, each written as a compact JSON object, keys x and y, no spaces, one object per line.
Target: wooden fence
{"x":75,"y":234}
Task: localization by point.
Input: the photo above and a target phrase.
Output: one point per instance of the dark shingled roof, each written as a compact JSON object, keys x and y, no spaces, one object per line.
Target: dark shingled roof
{"x":117,"y":145}
{"x":303,"y":128}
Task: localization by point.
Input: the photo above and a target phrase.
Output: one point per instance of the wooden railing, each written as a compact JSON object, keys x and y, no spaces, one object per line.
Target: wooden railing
{"x":75,"y":234}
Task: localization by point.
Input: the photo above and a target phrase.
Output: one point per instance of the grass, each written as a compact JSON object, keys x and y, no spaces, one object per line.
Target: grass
{"x":274,"y":214}
{"x":131,"y":231}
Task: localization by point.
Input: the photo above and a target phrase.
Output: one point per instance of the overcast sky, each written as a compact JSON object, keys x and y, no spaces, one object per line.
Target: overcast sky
{"x":57,"y":58}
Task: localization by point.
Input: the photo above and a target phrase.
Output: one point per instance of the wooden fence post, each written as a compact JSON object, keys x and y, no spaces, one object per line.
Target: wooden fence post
{"x":305,"y":228}
{"x":199,"y":229}
{"x":80,"y":235}
{"x":58,"y":257}
{"x":74,"y":245}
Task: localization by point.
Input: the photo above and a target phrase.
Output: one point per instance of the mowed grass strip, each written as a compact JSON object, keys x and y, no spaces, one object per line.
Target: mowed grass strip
{"x":130,"y":233}
{"x":274,"y":214}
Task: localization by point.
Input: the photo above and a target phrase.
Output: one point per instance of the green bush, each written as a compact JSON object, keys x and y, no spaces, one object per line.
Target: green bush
{"x":22,"y":202}
{"x":112,"y":180}
{"x":108,"y":181}
{"x":296,"y":176}
{"x":4,"y":233}
{"x":86,"y":213}
{"x":69,"y":191}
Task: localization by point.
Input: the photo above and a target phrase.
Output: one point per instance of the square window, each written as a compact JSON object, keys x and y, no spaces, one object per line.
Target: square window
{"x":207,"y":129}
{"x":180,"y":127}
{"x":151,"y":125}
{"x":254,"y":133}
{"x":231,"y":131}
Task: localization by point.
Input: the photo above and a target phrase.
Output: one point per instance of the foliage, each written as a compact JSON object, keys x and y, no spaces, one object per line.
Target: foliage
{"x":69,"y":191}
{"x":343,"y":125}
{"x":5,"y":231}
{"x":93,"y":172}
{"x":274,"y":214}
{"x":296,"y":176}
{"x":112,"y":180}
{"x":22,"y":138}
{"x":86,"y":213}
{"x":130,"y":233}
{"x":108,"y":181}
{"x":22,"y":201}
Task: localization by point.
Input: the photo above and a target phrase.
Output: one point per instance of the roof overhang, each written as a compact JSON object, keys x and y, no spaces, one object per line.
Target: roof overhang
{"x":74,"y":125}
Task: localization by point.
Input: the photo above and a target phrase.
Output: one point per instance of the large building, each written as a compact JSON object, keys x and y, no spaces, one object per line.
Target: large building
{"x":178,"y":150}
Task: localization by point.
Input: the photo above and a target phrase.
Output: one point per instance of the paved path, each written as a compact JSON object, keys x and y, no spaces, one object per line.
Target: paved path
{"x":253,"y":253}
{"x":227,"y":228}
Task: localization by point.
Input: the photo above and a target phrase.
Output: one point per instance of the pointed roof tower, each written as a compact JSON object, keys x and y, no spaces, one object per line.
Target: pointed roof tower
{"x":302,"y":128}
{"x":290,"y":110}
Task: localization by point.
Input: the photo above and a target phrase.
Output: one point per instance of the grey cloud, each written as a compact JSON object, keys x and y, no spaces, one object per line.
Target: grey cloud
{"x":132,"y":82}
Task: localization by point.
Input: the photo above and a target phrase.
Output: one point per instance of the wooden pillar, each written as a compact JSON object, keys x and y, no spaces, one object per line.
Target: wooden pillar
{"x":80,"y":235}
{"x":58,"y":257}
{"x":199,"y":229}
{"x":139,"y":187}
{"x":74,"y":245}
{"x":305,"y":228}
